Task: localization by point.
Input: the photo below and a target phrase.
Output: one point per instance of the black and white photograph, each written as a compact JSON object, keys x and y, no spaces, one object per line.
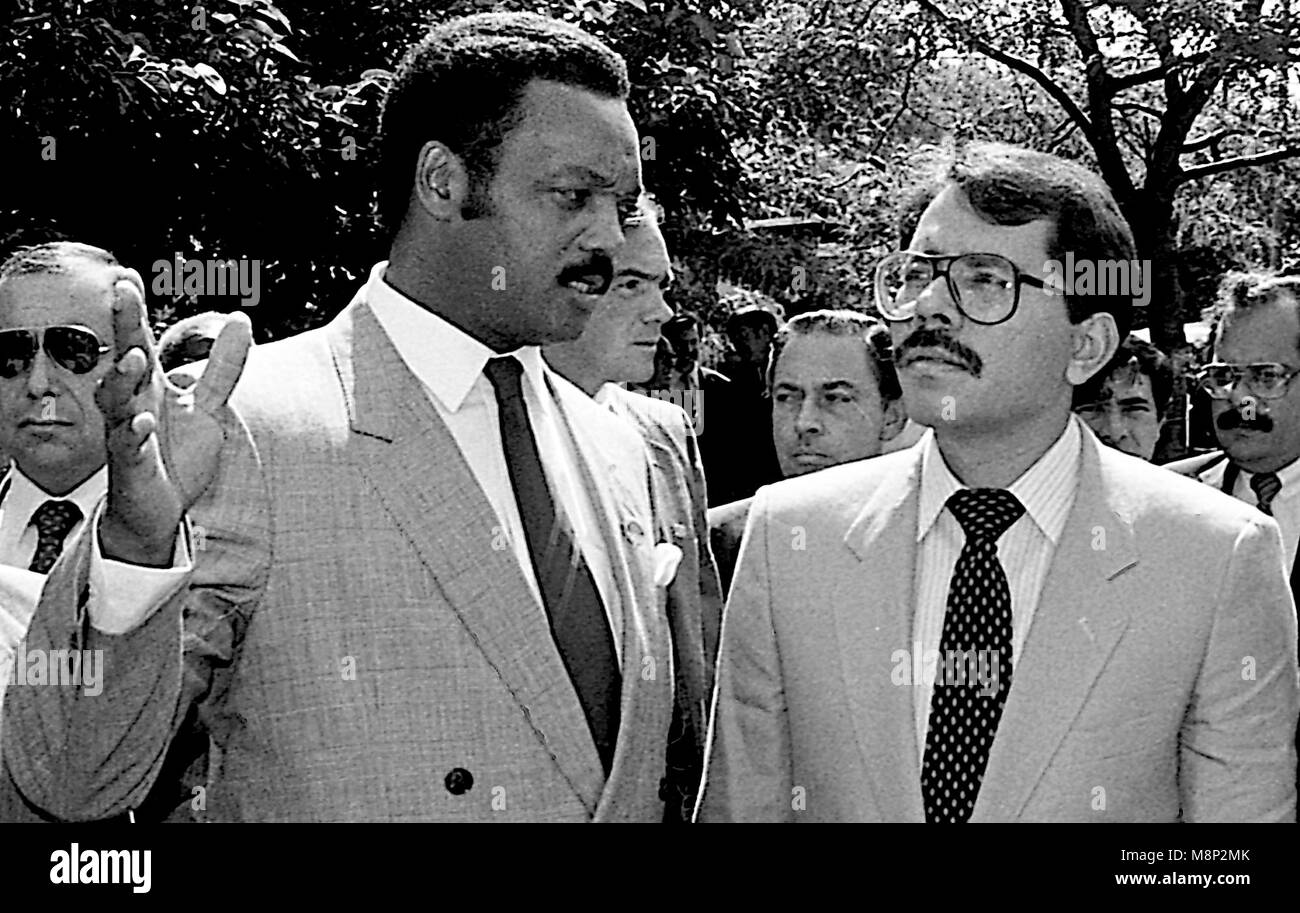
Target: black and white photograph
{"x":682,"y":412}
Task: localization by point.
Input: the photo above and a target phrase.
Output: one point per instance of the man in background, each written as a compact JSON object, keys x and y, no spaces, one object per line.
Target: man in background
{"x":1125,"y":403}
{"x":835,"y":399}
{"x":616,"y":347}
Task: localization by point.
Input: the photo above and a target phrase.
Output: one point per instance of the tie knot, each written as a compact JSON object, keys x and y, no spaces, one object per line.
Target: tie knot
{"x":1266,"y":485}
{"x":503,"y":372}
{"x":54,"y":519}
{"x":985,"y":513}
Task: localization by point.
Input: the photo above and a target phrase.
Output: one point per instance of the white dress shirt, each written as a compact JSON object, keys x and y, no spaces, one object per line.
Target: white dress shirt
{"x":449,"y":364}
{"x":1047,"y":490}
{"x":20,"y":497}
{"x":1286,"y":503}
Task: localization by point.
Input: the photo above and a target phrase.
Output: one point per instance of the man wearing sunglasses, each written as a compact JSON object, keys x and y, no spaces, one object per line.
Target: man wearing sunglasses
{"x":56,"y":337}
{"x":1008,"y":621}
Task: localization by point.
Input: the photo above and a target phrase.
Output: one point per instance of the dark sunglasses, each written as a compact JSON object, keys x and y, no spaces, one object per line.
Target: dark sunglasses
{"x":73,"y":348}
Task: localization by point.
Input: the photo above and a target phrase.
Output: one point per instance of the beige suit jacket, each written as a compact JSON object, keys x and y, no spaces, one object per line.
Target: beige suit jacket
{"x":1157,"y":683}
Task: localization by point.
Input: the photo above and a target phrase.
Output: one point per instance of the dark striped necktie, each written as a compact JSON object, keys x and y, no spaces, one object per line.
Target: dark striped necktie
{"x":1266,"y":485}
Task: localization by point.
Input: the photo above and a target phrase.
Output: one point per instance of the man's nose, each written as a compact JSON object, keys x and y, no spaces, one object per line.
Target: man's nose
{"x":657,"y":310}
{"x":1116,"y":427}
{"x":605,"y":232}
{"x":809,"y":418}
{"x":40,"y":375}
{"x":935,"y":303}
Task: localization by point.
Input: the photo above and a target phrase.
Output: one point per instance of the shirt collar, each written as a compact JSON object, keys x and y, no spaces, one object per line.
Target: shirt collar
{"x":440,"y":354}
{"x":1288,"y":475}
{"x":24,"y":496}
{"x":605,"y":395}
{"x":1045,"y":489}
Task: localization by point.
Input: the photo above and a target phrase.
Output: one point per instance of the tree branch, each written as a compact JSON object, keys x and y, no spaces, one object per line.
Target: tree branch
{"x":1239,"y":161}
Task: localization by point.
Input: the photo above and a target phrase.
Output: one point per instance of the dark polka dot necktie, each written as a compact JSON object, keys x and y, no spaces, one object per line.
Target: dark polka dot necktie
{"x":964,"y":711}
{"x":53,"y":521}
{"x":1266,"y":485}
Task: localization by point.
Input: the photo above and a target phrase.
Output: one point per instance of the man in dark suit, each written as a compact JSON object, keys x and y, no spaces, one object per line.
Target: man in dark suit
{"x":835,"y":398}
{"x":616,"y":347}
{"x":1008,"y":621}
{"x":415,"y":580}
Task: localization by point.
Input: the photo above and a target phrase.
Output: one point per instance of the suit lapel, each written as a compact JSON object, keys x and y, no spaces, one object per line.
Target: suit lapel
{"x":409,"y":456}
{"x":613,"y":468}
{"x":872,"y":628}
{"x":1081,"y":615}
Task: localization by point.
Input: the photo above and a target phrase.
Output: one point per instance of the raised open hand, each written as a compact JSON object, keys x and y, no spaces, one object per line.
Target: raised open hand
{"x":164,"y":441}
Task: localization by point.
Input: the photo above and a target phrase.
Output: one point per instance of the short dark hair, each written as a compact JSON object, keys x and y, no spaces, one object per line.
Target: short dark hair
{"x":1010,"y":185}
{"x":842,"y":322}
{"x":52,"y":257}
{"x":678,"y":324}
{"x":1149,"y":360}
{"x":1240,"y":290}
{"x":462,"y":84}
{"x":752,"y":317}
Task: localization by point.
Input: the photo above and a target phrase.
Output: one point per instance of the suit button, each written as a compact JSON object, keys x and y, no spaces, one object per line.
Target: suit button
{"x":459,"y":781}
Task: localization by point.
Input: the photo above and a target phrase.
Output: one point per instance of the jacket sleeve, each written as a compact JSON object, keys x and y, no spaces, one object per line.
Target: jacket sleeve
{"x":1237,"y":759}
{"x":80,"y":754}
{"x":748,"y":767}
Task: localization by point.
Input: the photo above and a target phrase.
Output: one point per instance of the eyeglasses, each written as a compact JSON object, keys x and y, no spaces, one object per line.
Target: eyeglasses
{"x":1267,"y":380}
{"x":985,"y":287}
{"x":76,"y":349}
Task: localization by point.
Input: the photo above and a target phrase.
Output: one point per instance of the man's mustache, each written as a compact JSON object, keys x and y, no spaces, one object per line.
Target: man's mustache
{"x":1233,"y":419}
{"x":930,"y":338}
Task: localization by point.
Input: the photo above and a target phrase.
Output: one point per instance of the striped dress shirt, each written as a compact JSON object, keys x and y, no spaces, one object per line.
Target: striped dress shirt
{"x":1047,"y":490}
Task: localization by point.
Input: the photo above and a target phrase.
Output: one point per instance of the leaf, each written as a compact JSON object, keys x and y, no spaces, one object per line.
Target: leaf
{"x":276,"y":16}
{"x":280,"y":48}
{"x":639,"y":4}
{"x":223,"y":18}
{"x":211,"y":77}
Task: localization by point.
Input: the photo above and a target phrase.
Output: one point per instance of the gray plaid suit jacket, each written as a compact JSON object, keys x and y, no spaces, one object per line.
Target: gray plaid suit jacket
{"x":355,"y":639}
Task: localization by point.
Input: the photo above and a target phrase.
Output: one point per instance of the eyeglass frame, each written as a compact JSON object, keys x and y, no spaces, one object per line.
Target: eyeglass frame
{"x":1240,"y":377}
{"x":935,"y":272}
{"x":40,"y":331}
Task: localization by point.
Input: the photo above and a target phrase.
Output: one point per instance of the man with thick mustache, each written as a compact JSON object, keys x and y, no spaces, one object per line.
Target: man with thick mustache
{"x":421,"y":584}
{"x":1008,"y":621}
{"x":1254,"y":401}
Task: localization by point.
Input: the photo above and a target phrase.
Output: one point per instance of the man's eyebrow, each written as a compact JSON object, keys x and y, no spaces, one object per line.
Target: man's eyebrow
{"x":634,"y":273}
{"x":832,"y":385}
{"x":581,"y":173}
{"x":1131,"y":400}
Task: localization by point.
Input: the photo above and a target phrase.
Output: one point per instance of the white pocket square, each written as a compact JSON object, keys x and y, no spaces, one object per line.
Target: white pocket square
{"x":666,"y":558}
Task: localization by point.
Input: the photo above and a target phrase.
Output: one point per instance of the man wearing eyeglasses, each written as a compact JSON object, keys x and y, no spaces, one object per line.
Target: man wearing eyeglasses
{"x":1255,"y":402}
{"x":1007,"y":621}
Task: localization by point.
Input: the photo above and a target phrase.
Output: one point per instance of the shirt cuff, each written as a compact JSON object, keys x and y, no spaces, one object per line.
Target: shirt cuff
{"x":123,"y":596}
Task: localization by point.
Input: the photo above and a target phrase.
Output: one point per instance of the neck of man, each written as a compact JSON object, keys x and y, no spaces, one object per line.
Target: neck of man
{"x":574,"y":366}
{"x":1267,"y":464}
{"x":59,"y":481}
{"x":421,"y":274}
{"x":996,"y":458}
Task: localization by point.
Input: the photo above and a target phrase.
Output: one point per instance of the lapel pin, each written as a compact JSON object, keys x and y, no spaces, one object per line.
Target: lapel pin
{"x":679,"y":532}
{"x":632,"y":531}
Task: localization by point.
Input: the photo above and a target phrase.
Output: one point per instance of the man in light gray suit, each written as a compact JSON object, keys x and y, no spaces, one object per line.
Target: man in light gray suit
{"x":618,"y":346}
{"x":416,"y":576}
{"x":1008,"y":621}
